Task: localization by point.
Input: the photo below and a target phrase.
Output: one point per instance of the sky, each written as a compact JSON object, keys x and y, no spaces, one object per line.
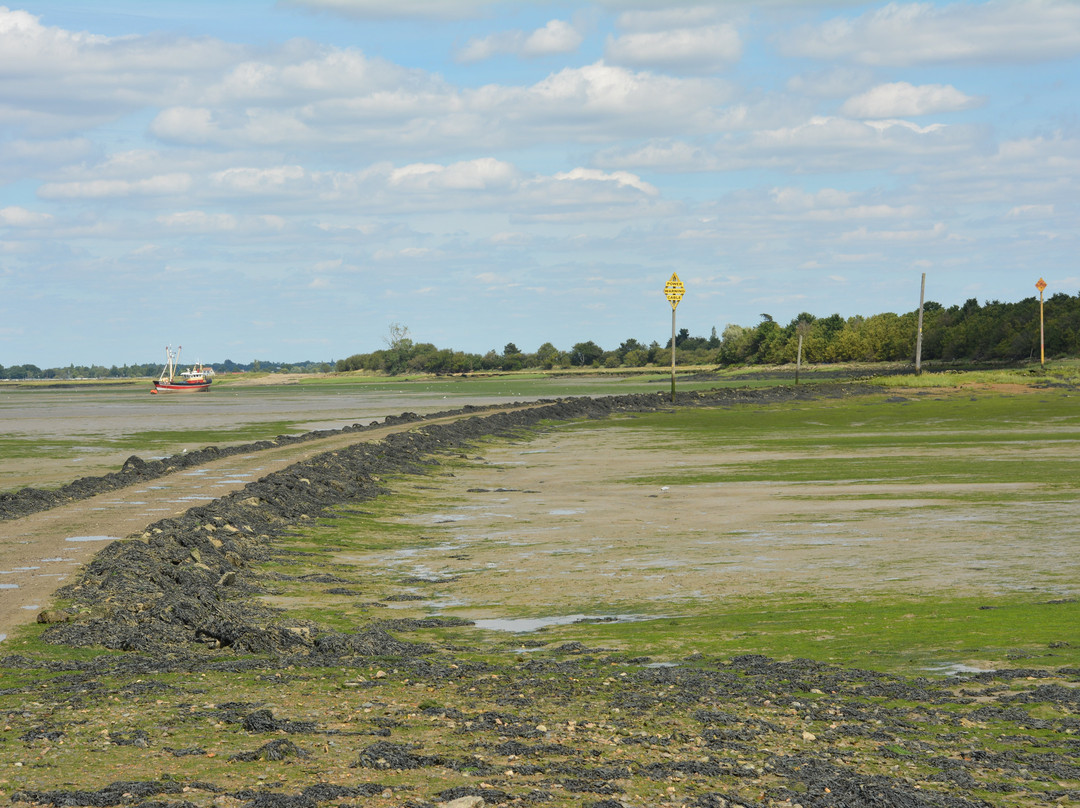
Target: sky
{"x":288,"y":180}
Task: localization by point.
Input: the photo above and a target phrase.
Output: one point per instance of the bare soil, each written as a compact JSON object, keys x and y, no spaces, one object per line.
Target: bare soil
{"x":41,"y":552}
{"x":538,"y":527}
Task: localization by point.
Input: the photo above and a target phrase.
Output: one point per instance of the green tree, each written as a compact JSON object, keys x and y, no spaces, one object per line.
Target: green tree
{"x":547,"y":355}
{"x":585,"y":353}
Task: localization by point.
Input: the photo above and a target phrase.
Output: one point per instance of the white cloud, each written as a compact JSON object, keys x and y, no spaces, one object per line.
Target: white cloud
{"x":416,"y":113}
{"x":54,"y":80}
{"x":819,"y":143}
{"x":924,"y":33}
{"x":258,"y":180}
{"x":15,"y":216}
{"x":710,"y":48}
{"x":158,"y":185}
{"x":900,"y":99}
{"x":199,"y":221}
{"x":835,"y":205}
{"x":621,"y":178}
{"x":1027,"y":211}
{"x":473,"y":175}
{"x":398,"y":9}
{"x":835,"y":82}
{"x":666,"y":155}
{"x":938,"y":231}
{"x":558,"y":36}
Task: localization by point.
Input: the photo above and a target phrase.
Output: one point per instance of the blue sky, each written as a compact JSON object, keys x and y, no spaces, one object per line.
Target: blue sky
{"x":284,"y":180}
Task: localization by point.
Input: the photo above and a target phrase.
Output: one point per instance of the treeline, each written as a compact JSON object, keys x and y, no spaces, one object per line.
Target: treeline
{"x":402,"y":355}
{"x":964,"y":333}
{"x":969,"y":333}
{"x":153,"y":369}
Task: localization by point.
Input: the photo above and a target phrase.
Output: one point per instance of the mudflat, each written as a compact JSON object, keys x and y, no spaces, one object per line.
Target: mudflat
{"x":369,"y":687}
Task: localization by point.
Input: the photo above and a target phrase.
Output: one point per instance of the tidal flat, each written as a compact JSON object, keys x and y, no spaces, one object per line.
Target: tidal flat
{"x":774,"y":603}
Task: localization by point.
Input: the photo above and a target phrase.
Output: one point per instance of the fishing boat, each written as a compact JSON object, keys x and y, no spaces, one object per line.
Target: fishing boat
{"x":196,"y":379}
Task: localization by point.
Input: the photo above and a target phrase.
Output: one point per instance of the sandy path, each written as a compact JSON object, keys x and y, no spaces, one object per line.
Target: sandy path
{"x":42,"y":552}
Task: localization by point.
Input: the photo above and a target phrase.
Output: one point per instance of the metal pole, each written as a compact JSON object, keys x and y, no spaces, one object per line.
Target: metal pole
{"x":672,"y":354}
{"x":1042,"y":332}
{"x":798,"y":360}
{"x":918,"y":339}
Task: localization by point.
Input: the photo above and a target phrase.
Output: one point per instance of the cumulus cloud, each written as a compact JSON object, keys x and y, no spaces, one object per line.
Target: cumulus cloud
{"x":259,"y":180}
{"x":835,"y":205}
{"x":1023,"y":211}
{"x":816,"y":144}
{"x":474,"y":175}
{"x":398,"y":9}
{"x":158,"y":185}
{"x":621,"y":178}
{"x":900,"y":99}
{"x":198,"y":221}
{"x":937,"y":231}
{"x":713,"y":47}
{"x":923,"y":33}
{"x":15,"y":216}
{"x":54,"y":80}
{"x":558,"y":36}
{"x":416,"y":113}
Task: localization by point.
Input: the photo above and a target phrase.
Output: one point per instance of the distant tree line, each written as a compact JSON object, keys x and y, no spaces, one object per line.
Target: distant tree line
{"x":402,"y":355}
{"x":963,"y":333}
{"x":969,"y":333}
{"x":153,"y":369}
{"x":994,"y":331}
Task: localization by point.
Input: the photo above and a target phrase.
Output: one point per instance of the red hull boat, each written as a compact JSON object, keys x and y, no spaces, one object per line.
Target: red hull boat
{"x":196,"y":379}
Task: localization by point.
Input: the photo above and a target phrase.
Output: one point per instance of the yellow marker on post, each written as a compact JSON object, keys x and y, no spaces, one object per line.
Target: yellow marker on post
{"x":1041,"y":286}
{"x":673,"y":291}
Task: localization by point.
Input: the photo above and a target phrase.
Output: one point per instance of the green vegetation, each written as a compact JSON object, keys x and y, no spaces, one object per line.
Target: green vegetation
{"x":590,"y":712}
{"x":1007,"y":454}
{"x":994,"y":332}
{"x":968,"y":333}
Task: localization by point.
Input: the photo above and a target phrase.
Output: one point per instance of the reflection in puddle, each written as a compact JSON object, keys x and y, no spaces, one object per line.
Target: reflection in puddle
{"x":565,"y":512}
{"x":957,"y":669}
{"x":520,"y":625}
{"x":91,"y":538}
{"x":9,"y":586}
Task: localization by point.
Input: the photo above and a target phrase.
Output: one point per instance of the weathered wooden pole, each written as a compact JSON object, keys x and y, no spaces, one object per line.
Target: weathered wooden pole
{"x":1041,"y":286}
{"x":673,"y":291}
{"x":918,"y":337}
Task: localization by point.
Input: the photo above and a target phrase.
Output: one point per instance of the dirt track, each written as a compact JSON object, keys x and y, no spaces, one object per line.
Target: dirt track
{"x":43,"y":550}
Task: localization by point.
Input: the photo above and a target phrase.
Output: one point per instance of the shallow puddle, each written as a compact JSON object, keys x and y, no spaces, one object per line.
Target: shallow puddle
{"x":522,"y":625}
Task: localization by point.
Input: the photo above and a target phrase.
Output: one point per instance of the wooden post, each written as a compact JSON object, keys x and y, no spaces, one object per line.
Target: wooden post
{"x":1041,"y":286}
{"x":672,"y":354}
{"x":918,"y":338}
{"x":673,"y":291}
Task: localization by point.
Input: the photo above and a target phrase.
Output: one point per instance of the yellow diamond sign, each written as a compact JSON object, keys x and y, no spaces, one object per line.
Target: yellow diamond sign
{"x":674,"y":290}
{"x":1040,"y":285}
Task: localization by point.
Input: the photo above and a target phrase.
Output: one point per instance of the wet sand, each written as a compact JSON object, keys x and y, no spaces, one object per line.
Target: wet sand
{"x":41,"y":552}
{"x":58,"y":435}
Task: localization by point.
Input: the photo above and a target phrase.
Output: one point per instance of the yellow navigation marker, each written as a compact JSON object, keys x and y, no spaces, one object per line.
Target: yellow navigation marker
{"x":674,"y":290}
{"x":1041,"y":286}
